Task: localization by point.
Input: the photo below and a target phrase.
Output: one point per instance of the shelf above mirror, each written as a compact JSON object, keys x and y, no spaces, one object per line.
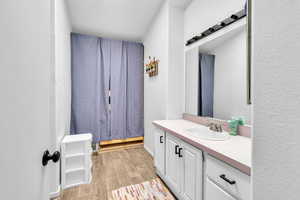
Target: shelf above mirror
{"x":217,"y":38}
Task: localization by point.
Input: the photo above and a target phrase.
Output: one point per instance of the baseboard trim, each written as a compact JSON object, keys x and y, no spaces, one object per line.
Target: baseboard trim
{"x":55,"y":194}
{"x":148,"y":150}
{"x":110,"y":148}
{"x":120,"y":141}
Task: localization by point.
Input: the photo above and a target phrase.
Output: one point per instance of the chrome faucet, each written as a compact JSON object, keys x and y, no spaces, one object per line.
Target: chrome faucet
{"x":215,"y":127}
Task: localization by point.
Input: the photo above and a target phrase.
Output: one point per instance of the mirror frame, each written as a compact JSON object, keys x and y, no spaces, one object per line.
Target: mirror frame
{"x":249,"y":50}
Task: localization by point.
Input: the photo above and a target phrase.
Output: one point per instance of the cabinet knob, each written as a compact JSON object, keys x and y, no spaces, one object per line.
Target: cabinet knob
{"x":231,"y":182}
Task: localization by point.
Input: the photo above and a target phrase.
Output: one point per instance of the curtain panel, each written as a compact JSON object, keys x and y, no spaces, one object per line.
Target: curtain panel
{"x":101,"y":65}
{"x":127,"y":90}
{"x":206,"y":85}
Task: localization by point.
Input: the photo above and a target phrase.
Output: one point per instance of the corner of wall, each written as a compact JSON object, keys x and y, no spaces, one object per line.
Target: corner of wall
{"x":175,"y":99}
{"x":62,"y":79}
{"x":156,"y":45}
{"x":164,"y":93}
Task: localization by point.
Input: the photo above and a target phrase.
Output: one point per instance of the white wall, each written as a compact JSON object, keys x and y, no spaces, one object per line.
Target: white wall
{"x":155,"y":88}
{"x":276,"y":100}
{"x":163,"y":94}
{"x":175,"y":101}
{"x":62,"y":84}
{"x":62,"y":69}
{"x":202,"y":14}
{"x":230,"y":89}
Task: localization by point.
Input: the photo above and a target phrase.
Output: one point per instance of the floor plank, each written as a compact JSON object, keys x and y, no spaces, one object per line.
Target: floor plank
{"x":112,"y":170}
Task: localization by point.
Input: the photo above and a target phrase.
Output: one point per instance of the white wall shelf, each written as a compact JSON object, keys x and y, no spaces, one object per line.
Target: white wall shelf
{"x":75,"y":155}
{"x":76,"y":162}
{"x":215,"y":39}
{"x":74,"y":170}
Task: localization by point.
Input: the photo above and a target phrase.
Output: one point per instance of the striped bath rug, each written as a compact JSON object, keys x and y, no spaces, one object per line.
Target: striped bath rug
{"x":150,"y":190}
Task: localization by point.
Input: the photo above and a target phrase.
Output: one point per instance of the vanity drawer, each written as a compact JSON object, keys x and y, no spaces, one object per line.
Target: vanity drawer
{"x":229,"y":178}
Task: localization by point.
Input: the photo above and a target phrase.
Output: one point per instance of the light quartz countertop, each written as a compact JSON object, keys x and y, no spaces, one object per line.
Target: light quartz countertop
{"x":235,"y":151}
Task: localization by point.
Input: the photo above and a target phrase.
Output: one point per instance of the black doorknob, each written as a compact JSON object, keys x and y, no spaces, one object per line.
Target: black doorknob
{"x":47,"y":156}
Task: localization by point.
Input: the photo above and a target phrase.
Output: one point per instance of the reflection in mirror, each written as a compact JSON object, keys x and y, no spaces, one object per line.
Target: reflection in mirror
{"x":216,"y":78}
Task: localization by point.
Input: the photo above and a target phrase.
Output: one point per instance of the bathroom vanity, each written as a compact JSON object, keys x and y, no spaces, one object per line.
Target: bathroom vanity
{"x":196,"y":168}
{"x":195,"y":162}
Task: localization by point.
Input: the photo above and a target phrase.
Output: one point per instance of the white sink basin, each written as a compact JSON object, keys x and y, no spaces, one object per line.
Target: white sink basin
{"x":206,"y":134}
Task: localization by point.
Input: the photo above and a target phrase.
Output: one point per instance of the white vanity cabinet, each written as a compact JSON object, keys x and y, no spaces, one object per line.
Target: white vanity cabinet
{"x":183,"y":169}
{"x":214,"y":192}
{"x":159,"y":151}
{"x":192,"y":172}
{"x":195,"y":175}
{"x":173,"y":163}
{"x":224,"y":180}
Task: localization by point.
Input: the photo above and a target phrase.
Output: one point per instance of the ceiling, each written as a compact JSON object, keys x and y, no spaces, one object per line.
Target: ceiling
{"x":118,"y":19}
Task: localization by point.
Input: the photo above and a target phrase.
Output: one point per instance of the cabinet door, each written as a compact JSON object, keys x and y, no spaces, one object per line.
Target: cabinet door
{"x":159,"y":151}
{"x":173,"y":164}
{"x":214,"y":192}
{"x":192,"y":173}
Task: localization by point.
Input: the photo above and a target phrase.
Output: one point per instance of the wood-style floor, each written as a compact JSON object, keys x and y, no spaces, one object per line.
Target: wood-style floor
{"x":112,"y":170}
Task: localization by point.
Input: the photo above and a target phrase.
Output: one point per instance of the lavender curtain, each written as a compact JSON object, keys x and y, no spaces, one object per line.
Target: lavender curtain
{"x":99,"y":65}
{"x":135,"y":89}
{"x":89,"y":107}
{"x":127,"y":90}
{"x":118,"y":84}
{"x":105,"y":61}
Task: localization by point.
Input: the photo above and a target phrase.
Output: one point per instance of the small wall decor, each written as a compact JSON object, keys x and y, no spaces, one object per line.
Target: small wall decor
{"x":152,"y":67}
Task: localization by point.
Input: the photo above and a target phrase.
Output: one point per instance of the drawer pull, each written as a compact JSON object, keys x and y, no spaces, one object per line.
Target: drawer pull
{"x":176,"y":149}
{"x":160,"y":139}
{"x":223,"y":176}
{"x":179,"y":152}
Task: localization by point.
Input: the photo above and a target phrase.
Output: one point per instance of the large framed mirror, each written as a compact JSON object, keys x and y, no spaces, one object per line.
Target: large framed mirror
{"x":218,"y":73}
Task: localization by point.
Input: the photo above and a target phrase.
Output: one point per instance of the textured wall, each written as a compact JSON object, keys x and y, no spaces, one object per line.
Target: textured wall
{"x":276,"y":91}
